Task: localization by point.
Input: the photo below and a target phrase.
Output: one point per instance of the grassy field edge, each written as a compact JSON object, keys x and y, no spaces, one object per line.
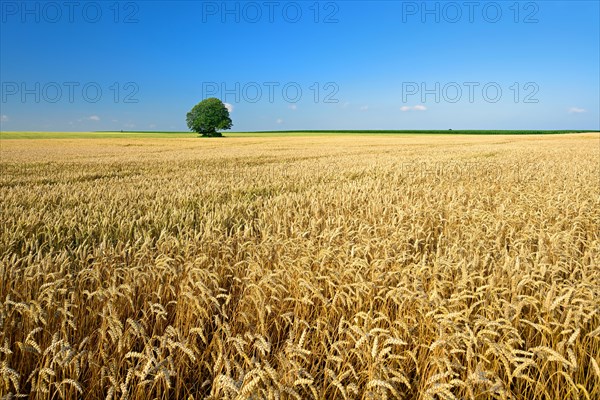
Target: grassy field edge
{"x":7,"y":135}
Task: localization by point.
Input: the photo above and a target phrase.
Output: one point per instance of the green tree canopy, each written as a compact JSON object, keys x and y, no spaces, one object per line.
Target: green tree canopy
{"x":208,"y":116}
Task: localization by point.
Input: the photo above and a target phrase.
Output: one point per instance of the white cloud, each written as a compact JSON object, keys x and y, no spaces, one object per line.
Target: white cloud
{"x":279,"y":121}
{"x":364,"y":108}
{"x":94,"y":118}
{"x":346,"y":104}
{"x":129,"y":126}
{"x":229,"y":107}
{"x":4,"y":118}
{"x":293,"y":107}
{"x":576,"y":110}
{"x":152,"y":126}
{"x":418,"y":107}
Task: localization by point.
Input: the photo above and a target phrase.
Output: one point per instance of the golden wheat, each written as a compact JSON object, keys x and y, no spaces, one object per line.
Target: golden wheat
{"x":351,"y":267}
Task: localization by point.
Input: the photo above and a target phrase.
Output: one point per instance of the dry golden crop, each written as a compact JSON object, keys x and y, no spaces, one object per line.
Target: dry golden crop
{"x":346,"y":267}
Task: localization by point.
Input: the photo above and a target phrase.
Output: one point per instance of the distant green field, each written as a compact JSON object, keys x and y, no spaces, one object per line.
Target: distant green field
{"x":93,"y":135}
{"x":154,"y":134}
{"x":400,"y":132}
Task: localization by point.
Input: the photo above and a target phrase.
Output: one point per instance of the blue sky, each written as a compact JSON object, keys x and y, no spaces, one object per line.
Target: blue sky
{"x":287,"y":65}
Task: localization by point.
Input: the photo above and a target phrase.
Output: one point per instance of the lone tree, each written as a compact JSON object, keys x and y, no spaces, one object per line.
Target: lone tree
{"x":208,"y":116}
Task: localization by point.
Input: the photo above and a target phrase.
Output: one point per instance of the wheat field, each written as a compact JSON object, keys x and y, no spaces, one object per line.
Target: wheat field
{"x":342,"y":267}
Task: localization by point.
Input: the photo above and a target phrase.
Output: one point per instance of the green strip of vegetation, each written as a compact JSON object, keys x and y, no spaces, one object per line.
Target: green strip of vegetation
{"x":437,"y":132}
{"x":154,"y":134}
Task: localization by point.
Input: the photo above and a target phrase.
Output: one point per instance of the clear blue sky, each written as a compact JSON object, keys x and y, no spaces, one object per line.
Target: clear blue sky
{"x":358,"y":64}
